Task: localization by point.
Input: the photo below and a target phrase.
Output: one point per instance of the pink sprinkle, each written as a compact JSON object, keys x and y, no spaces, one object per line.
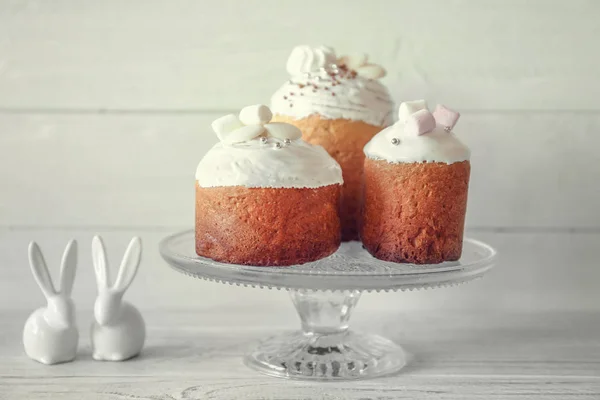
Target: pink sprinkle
{"x":445,"y":117}
{"x":420,"y":123}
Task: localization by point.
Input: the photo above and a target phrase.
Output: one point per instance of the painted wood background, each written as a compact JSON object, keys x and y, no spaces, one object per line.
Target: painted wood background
{"x":105,"y":110}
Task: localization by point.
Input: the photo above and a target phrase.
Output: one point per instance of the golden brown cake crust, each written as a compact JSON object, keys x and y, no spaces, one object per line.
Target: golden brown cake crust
{"x":414,"y":212}
{"x":267,"y":226}
{"x":344,"y":140}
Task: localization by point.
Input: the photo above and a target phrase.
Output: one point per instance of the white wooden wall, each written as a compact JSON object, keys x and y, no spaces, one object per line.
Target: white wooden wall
{"x":105,"y":110}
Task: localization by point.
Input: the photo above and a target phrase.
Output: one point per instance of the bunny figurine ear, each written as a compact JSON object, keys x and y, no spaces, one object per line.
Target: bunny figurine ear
{"x":68,"y":268}
{"x":40,"y":270}
{"x":129,"y":265}
{"x":100,"y":263}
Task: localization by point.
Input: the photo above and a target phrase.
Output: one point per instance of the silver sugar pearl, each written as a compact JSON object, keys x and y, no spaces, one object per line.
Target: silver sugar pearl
{"x":264,"y":140}
{"x":395,"y":141}
{"x":278,"y":145}
{"x":287,"y":141}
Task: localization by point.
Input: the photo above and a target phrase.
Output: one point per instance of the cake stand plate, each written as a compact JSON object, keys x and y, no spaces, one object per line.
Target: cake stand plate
{"x":324,"y":293}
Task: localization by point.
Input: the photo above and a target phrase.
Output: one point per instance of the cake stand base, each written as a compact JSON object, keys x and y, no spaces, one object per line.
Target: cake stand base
{"x":325,"y":349}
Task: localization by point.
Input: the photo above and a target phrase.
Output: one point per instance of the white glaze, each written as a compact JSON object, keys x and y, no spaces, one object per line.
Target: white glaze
{"x":50,"y":335}
{"x":318,"y":87}
{"x":256,"y":164}
{"x":308,"y":59}
{"x":356,"y":99}
{"x":118,"y":331}
{"x":435,"y":146}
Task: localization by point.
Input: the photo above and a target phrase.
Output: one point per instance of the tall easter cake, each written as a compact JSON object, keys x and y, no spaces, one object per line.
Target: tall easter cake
{"x":415,"y":188}
{"x":340,"y":104}
{"x":264,"y":196}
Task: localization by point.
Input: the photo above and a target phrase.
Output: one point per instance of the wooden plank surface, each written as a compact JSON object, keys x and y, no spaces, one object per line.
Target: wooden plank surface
{"x":197,"y":355}
{"x":148,"y":55}
{"x":138,"y":170}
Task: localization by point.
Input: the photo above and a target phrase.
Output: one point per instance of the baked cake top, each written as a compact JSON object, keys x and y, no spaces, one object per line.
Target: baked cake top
{"x":419,"y":136}
{"x":334,"y":87}
{"x":254,"y":152}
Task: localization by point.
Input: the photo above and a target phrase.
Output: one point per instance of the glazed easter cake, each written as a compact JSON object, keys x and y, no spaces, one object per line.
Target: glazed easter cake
{"x":340,"y":104}
{"x":264,"y":196}
{"x":416,"y":178}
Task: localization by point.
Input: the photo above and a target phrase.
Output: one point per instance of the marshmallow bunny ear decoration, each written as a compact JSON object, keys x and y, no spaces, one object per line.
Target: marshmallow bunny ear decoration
{"x":445,"y":117}
{"x":418,"y":120}
{"x":253,"y":122}
{"x":358,"y":62}
{"x":420,"y":123}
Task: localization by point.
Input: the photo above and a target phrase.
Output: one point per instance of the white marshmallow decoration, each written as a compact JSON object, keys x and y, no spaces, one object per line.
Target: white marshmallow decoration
{"x":445,"y":117}
{"x":118,"y":331}
{"x":353,"y":61}
{"x":244,"y":134}
{"x":50,"y":335}
{"x":371,"y":71}
{"x":306,"y":59}
{"x":358,"y":63}
{"x":281,"y":130}
{"x":257,"y":114}
{"x":408,"y":108}
{"x":419,"y":123}
{"x":226,"y":124}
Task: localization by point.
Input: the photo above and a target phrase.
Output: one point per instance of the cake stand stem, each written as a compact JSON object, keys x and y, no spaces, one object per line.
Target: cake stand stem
{"x":324,"y":313}
{"x":325,"y":348}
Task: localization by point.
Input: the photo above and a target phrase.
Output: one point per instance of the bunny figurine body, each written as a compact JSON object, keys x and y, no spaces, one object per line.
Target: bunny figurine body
{"x":118,"y":332}
{"x":50,"y":335}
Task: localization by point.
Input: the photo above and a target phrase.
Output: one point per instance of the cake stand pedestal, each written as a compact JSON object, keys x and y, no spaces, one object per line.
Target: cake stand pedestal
{"x":324,"y":293}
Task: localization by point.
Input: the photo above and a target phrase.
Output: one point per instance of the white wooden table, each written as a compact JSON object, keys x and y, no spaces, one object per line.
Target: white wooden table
{"x":197,"y":355}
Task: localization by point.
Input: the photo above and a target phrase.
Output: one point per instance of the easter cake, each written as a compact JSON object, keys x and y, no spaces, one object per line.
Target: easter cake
{"x":340,"y":104}
{"x":416,"y":179}
{"x":264,"y":196}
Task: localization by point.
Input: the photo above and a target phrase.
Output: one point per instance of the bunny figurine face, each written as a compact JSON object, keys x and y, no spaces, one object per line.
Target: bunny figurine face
{"x":60,"y":312}
{"x":118,"y":332}
{"x":50,"y":334}
{"x":108,"y":306}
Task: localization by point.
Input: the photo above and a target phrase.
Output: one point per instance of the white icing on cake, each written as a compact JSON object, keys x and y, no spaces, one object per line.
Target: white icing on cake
{"x":332,"y":92}
{"x":296,"y":164}
{"x":400,"y":143}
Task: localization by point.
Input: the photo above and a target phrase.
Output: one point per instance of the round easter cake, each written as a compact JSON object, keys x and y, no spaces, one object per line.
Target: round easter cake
{"x":340,"y":104}
{"x":264,"y":196}
{"x":416,"y":179}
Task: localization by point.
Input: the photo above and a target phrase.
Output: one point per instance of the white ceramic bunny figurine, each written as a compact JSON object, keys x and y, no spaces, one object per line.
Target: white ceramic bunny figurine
{"x":118,"y":332}
{"x":50,"y":335}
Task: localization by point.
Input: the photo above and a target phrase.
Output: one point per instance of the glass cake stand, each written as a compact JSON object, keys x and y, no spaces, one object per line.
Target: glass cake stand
{"x":324,"y":293}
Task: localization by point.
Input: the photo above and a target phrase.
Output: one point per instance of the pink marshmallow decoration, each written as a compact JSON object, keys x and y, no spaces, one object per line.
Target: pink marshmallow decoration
{"x":445,"y":117}
{"x":420,"y":123}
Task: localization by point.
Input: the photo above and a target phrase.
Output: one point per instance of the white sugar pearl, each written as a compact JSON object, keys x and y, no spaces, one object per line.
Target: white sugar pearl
{"x":408,"y":108}
{"x":225,"y":125}
{"x":244,"y":134}
{"x":281,"y":130}
{"x":257,"y":114}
